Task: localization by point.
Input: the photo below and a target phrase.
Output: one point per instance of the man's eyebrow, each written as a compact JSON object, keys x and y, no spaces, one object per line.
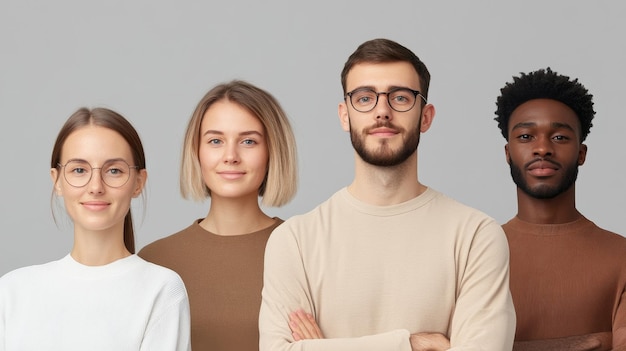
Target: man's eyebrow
{"x":555,"y":125}
{"x":559,"y":125}
{"x":524,"y":125}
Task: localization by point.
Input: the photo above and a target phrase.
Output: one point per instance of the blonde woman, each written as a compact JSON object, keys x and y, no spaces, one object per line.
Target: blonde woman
{"x":239,"y":146}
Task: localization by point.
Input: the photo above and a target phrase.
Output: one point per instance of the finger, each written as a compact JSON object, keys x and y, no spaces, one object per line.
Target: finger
{"x":300,"y":325}
{"x":307,"y":325}
{"x":317,"y":332}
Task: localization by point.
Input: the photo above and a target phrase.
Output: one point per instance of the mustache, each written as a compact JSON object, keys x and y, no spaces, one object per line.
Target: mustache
{"x":383,"y":124}
{"x":542,"y":159}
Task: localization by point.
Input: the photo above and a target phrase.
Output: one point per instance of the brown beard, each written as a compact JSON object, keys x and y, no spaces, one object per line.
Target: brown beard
{"x":384,"y":156}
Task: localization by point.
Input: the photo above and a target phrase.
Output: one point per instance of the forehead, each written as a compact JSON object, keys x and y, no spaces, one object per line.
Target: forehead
{"x":544,"y":112}
{"x":95,"y":144}
{"x":227,"y":116}
{"x":381,"y":76}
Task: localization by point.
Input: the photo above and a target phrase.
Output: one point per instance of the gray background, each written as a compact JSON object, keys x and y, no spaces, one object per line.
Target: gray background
{"x":153,"y":60}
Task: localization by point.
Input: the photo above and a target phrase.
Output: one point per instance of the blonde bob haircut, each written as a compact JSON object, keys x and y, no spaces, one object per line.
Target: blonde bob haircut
{"x":280,"y":183}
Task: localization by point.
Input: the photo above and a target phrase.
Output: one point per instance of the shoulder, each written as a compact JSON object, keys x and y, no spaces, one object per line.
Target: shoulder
{"x":20,"y":274}
{"x":28,"y":276}
{"x":157,"y":271}
{"x":612,"y":239}
{"x":160,"y":278}
{"x":303,"y":226}
{"x":315,"y":213}
{"x":458,"y":212}
{"x":170,"y":242}
{"x":454,"y":204}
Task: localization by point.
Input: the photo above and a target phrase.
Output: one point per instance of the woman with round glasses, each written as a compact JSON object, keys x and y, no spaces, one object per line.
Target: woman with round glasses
{"x":101,"y":296}
{"x":238,"y":147}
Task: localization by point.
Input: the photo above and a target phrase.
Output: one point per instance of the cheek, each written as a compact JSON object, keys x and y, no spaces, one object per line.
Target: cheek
{"x":259,"y":161}
{"x":208,"y":158}
{"x":70,"y":197}
{"x":516,"y":152}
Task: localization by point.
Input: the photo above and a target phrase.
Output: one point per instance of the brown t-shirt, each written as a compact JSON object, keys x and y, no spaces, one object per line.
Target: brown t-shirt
{"x":566,"y":279}
{"x":224,"y":277}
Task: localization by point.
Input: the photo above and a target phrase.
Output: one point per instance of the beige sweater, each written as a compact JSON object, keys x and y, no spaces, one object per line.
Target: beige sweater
{"x":373,"y":275}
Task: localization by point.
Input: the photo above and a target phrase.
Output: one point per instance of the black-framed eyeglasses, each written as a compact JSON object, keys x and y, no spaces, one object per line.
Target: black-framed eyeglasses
{"x":114,"y":173}
{"x":399,"y":99}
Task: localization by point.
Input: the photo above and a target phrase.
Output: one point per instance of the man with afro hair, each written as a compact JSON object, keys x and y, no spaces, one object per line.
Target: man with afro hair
{"x":568,"y":276}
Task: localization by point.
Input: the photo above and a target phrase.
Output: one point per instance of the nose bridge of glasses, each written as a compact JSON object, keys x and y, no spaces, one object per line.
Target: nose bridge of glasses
{"x":387,"y":97}
{"x":89,"y":180}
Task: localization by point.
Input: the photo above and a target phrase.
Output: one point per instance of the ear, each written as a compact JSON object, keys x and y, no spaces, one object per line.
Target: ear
{"x":506,"y":153}
{"x":582,"y":154}
{"x":54,"y":175}
{"x":428,"y":114}
{"x":344,"y":118}
{"x":140,"y":182}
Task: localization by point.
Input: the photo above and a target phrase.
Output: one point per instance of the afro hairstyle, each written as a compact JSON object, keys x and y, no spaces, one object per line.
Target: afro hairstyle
{"x":544,"y":84}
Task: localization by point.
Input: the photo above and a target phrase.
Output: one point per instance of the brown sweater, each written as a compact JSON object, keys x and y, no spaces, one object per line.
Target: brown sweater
{"x":566,"y":279}
{"x":224,"y":277}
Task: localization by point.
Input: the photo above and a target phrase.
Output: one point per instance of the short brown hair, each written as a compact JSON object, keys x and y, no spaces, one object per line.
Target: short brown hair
{"x":383,"y":51}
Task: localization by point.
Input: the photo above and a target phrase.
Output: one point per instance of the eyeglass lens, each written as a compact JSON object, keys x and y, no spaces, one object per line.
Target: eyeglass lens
{"x":114,"y":173}
{"x":401,"y":99}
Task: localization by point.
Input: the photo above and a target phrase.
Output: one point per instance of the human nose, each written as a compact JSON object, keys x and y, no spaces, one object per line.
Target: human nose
{"x":230,"y":154}
{"x":96,"y":183}
{"x":383,"y":108}
{"x":543,"y":147}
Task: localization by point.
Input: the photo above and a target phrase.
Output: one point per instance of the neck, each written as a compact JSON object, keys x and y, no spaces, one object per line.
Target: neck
{"x":235,"y":216}
{"x":384,"y":186}
{"x":557,"y":210}
{"x":97,"y":248}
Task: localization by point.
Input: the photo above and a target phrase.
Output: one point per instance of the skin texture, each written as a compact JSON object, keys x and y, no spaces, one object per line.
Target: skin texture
{"x":233,"y":157}
{"x":96,"y":209}
{"x":385,"y":143}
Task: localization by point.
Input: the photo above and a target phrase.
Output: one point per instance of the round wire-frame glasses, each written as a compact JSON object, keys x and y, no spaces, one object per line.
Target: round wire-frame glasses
{"x":399,"y":99}
{"x":114,"y":173}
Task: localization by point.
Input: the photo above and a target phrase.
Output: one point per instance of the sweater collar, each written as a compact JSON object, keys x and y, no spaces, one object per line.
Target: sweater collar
{"x":579,"y":224}
{"x":115,"y":268}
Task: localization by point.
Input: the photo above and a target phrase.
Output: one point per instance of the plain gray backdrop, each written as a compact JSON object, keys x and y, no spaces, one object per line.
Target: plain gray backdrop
{"x":153,"y":60}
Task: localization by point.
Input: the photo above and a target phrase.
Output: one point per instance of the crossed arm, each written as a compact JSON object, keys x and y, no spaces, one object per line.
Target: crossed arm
{"x":303,"y":326}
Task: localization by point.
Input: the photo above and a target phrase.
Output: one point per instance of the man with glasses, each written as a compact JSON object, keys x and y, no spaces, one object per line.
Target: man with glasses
{"x":568,"y":276}
{"x":386,"y":263}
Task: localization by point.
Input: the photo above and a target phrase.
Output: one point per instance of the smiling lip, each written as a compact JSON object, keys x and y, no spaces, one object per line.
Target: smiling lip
{"x":95,"y":205}
{"x":231,"y":175}
{"x":542,"y":168}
